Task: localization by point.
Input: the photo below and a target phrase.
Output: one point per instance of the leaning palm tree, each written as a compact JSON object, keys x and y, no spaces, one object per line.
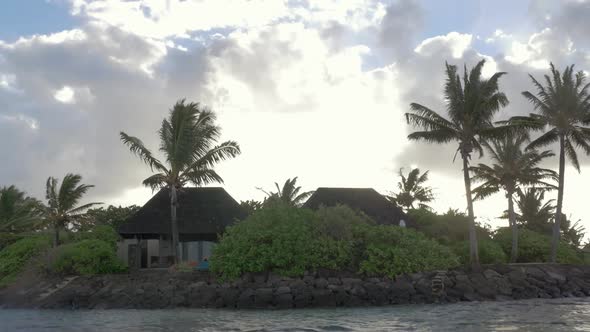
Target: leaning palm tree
{"x":289,"y":194}
{"x":470,"y":107}
{"x":187,"y":139}
{"x":412,"y":189}
{"x":62,"y":203}
{"x":18,"y":213}
{"x":511,"y":170}
{"x":563,"y":106}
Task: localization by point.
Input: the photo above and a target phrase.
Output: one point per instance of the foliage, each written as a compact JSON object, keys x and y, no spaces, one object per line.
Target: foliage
{"x":490,"y":252}
{"x":14,"y":257}
{"x":101,"y":232}
{"x":534,"y":247}
{"x":412,"y":189}
{"x":7,"y":239}
{"x":533,"y":214}
{"x":87,"y":257}
{"x":251,"y":206}
{"x":392,"y":250}
{"x":290,"y":241}
{"x":448,"y":228}
{"x":277,"y":238}
{"x":187,"y":139}
{"x":288,"y":194}
{"x":572,"y":232}
{"x":18,"y":213}
{"x":62,"y":202}
{"x":111,"y":216}
{"x":563,"y":107}
{"x":470,"y":107}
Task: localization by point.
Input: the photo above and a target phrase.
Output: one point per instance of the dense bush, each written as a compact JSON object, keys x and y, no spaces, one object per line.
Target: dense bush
{"x":14,"y":257}
{"x":490,"y":252}
{"x":448,"y":228}
{"x":87,"y":257}
{"x":534,"y":247}
{"x":7,"y":239}
{"x":290,"y":241}
{"x":104,"y":233}
{"x":392,"y":250}
{"x":277,"y":238}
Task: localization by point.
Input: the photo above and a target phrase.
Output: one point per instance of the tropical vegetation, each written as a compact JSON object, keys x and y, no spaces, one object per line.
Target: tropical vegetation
{"x":187,"y":140}
{"x":471,"y":104}
{"x":412,"y":190}
{"x":290,"y":194}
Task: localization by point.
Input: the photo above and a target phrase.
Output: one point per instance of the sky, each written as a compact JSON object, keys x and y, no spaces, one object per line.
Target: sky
{"x":314,"y":89}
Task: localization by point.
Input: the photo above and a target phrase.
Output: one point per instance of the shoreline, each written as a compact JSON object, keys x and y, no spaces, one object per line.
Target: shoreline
{"x":160,"y":289}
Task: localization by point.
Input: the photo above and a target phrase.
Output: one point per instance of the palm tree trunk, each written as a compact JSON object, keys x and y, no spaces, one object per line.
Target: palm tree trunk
{"x":55,"y":235}
{"x":174,"y":222}
{"x":514,"y":226}
{"x":473,"y":249}
{"x":557,"y":224}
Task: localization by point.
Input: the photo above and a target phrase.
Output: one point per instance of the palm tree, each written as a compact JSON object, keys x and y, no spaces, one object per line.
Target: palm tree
{"x":564,"y":110}
{"x":512,"y":169}
{"x":62,"y":203}
{"x":412,"y":189}
{"x":470,"y":107}
{"x":18,"y":212}
{"x":534,"y":214}
{"x":187,"y":139}
{"x":288,"y":194}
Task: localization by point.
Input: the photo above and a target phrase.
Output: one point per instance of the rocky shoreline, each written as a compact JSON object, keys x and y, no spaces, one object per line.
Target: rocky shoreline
{"x":163,"y":289}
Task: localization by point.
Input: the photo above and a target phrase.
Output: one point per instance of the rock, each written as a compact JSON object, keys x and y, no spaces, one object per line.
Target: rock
{"x":283,"y":290}
{"x":334,"y":281}
{"x":263,"y":297}
{"x":203,"y":296}
{"x":321,"y":283}
{"x":246,"y":299}
{"x":323,"y":298}
{"x":491,"y":274}
{"x":283,"y":300}
{"x":229,"y":297}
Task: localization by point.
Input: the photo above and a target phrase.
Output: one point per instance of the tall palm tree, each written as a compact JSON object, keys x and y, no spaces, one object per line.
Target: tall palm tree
{"x":412,"y":189}
{"x":187,"y":139}
{"x":512,"y":169}
{"x":288,"y":194}
{"x":62,"y":203}
{"x":470,"y":107}
{"x":533,"y":213}
{"x":18,"y":213}
{"x":563,"y":106}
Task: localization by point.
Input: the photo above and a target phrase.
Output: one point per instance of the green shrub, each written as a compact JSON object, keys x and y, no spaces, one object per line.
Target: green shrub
{"x":7,"y":239}
{"x":87,"y":257}
{"x":392,"y":250}
{"x":490,"y":252}
{"x":534,"y":247}
{"x":104,"y":233}
{"x":276,"y":238}
{"x":14,"y":257}
{"x":448,"y":228}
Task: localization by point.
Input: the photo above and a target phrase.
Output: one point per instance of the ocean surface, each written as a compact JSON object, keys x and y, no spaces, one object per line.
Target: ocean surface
{"x":571,"y":314}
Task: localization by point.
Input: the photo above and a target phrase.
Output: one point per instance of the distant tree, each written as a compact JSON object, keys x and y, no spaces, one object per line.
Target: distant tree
{"x":187,"y":139}
{"x":512,"y":168}
{"x":471,"y":107}
{"x":289,"y":194}
{"x":62,"y":203}
{"x":572,"y":232}
{"x":112,"y":216}
{"x":18,"y":212}
{"x":412,"y":189}
{"x":250,"y":206}
{"x":564,"y":114}
{"x":534,"y":213}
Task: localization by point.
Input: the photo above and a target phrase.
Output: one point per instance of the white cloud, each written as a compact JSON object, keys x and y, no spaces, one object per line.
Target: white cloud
{"x":65,"y":95}
{"x":457,"y":43}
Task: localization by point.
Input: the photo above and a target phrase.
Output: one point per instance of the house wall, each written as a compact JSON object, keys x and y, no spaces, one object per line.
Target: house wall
{"x":152,"y":249}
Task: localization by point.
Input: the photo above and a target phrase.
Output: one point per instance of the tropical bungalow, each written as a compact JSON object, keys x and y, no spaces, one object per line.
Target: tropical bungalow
{"x":367,"y":200}
{"x":203,"y":214}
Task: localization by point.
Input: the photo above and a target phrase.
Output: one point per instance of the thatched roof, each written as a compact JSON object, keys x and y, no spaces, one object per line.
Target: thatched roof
{"x":366,"y":200}
{"x":202,"y":214}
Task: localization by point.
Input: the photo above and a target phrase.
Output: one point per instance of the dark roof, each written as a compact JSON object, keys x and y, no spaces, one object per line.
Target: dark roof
{"x":366,"y":200}
{"x":202,"y":214}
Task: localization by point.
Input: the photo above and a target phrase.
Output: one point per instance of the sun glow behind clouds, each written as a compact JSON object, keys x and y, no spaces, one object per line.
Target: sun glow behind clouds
{"x":65,"y":95}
